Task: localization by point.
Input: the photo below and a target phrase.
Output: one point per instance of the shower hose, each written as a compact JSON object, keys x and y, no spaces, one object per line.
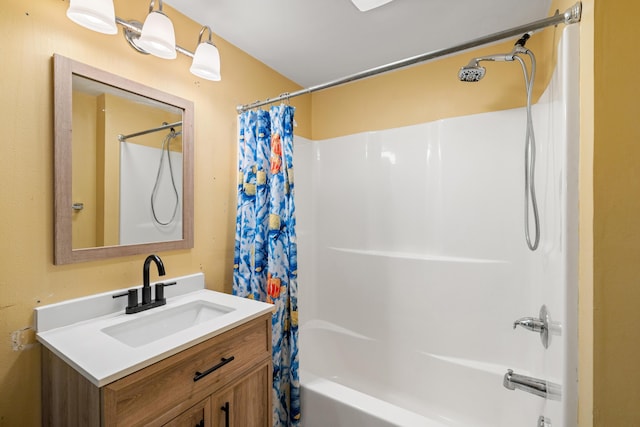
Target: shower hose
{"x":530,"y":202}
{"x":166,"y":148}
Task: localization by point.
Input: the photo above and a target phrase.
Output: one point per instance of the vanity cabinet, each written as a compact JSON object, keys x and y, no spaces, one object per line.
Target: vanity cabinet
{"x":224,"y":381}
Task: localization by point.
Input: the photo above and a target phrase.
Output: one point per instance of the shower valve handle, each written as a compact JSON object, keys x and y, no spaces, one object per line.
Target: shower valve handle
{"x":540,"y":325}
{"x":530,"y":323}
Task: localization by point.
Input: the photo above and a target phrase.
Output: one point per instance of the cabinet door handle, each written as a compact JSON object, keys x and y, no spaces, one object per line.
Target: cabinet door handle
{"x":225,"y":409}
{"x":201,"y":375}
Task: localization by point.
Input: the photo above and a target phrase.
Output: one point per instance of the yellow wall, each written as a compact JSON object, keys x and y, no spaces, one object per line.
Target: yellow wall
{"x":616,"y":178}
{"x":431,"y":91}
{"x":32,"y":31}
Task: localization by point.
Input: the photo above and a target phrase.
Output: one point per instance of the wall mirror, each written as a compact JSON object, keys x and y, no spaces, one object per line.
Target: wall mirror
{"x":123,"y":166}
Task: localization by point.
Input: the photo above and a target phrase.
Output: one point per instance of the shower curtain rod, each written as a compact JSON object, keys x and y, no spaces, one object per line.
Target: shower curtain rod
{"x":122,"y":138}
{"x":570,"y":16}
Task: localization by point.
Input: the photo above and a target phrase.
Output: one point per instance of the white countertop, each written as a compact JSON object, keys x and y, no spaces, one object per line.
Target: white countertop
{"x":67,"y":329}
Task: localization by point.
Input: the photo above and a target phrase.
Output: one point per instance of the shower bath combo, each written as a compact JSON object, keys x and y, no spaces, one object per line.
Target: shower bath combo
{"x":443,"y":269}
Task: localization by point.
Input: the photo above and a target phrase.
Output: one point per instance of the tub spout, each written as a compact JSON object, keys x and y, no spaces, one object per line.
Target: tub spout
{"x":544,"y":389}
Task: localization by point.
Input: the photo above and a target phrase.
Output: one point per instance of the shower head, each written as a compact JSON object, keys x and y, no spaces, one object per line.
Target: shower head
{"x":472,"y":72}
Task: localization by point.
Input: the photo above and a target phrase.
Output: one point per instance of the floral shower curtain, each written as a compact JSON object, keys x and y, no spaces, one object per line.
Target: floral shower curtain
{"x":265,"y":260}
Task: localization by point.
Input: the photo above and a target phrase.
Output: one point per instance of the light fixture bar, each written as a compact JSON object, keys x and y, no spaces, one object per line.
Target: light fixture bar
{"x":132,"y":28}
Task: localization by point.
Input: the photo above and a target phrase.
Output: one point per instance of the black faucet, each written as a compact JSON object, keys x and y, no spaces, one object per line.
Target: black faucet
{"x":132,"y":303}
{"x":146,"y":289}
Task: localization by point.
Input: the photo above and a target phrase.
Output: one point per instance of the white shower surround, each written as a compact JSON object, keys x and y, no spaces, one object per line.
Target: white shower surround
{"x":413,"y":267}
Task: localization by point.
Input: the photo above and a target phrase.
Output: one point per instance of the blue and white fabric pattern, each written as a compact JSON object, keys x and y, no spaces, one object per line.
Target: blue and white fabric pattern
{"x":265,"y":259}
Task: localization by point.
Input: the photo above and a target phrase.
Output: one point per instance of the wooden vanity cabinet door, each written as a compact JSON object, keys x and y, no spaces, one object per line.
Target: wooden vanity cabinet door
{"x":198,"y":415}
{"x":221,"y":406}
{"x":247,"y":402}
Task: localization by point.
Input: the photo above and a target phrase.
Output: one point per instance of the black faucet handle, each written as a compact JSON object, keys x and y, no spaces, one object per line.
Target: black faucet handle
{"x":160,"y":290}
{"x":132,"y":299}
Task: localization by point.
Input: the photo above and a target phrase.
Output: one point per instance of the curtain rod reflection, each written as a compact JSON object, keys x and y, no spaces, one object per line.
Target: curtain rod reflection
{"x":164,"y":126}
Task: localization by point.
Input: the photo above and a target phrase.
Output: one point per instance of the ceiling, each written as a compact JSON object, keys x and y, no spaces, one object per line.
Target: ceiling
{"x":316,"y":41}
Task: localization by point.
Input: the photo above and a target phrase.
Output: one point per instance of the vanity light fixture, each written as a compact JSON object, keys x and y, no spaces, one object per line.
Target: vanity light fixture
{"x":96,"y":15}
{"x":206,"y":61}
{"x":156,"y":36}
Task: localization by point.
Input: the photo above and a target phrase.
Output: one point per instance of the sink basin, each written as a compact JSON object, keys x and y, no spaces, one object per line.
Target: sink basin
{"x":152,"y":327}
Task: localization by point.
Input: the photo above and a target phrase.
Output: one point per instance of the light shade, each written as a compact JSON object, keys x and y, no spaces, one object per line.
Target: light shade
{"x":206,"y":62}
{"x":365,"y":5}
{"x":96,"y":15}
{"x":158,"y":37}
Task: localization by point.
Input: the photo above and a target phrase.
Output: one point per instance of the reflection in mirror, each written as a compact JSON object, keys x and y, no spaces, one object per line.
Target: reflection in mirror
{"x":123,"y":165}
{"x":131,"y":193}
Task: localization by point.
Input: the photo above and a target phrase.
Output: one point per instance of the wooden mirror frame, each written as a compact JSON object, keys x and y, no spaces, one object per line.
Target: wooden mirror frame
{"x":63,"y":70}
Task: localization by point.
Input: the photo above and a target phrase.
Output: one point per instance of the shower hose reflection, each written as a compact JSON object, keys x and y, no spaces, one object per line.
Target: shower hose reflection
{"x":166,"y":148}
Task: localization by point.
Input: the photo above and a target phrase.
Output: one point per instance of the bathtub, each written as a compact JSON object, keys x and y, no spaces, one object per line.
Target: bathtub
{"x":391,"y":370}
{"x":328,"y":403}
{"x":413,"y":268}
